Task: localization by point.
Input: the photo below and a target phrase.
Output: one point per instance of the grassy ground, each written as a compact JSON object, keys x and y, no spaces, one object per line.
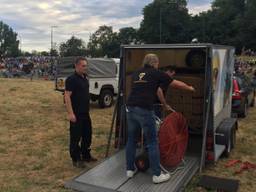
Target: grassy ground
{"x":34,"y":137}
{"x":34,"y":140}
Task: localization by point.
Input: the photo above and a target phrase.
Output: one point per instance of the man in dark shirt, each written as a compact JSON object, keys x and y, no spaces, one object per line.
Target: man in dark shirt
{"x":77,"y":103}
{"x":140,"y":114}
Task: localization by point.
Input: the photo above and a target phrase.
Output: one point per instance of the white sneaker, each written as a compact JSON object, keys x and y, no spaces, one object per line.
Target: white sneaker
{"x":130,"y":173}
{"x":161,"y":178}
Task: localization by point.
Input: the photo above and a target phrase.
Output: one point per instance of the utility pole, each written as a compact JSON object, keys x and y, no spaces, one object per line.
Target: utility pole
{"x":54,"y":26}
{"x":20,"y":45}
{"x":20,"y":42}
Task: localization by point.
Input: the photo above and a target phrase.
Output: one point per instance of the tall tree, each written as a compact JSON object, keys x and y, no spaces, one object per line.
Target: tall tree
{"x":104,"y":42}
{"x":73,"y":47}
{"x":128,"y":35}
{"x":165,"y":21}
{"x":45,"y":53}
{"x":227,"y":17}
{"x":248,"y":25}
{"x":9,"y":45}
{"x":223,"y":24}
{"x":53,"y":52}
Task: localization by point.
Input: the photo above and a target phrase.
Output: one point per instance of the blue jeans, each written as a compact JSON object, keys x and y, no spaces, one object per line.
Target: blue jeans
{"x":158,"y":111}
{"x":138,"y":118}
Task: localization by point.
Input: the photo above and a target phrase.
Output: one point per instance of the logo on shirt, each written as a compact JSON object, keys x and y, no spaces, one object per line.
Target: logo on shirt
{"x":141,"y":75}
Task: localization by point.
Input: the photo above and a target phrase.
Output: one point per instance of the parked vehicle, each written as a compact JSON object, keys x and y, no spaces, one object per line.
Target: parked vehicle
{"x":208,"y":68}
{"x":243,"y":94}
{"x":102,"y":74}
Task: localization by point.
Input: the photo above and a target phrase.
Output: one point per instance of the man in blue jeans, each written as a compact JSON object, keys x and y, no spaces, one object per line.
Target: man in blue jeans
{"x":140,"y":114}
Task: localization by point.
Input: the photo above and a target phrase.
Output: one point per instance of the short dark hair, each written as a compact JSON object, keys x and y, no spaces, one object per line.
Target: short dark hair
{"x":78,"y":59}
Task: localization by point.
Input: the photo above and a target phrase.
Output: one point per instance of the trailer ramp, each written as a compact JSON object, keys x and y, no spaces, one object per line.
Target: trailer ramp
{"x":110,"y":176}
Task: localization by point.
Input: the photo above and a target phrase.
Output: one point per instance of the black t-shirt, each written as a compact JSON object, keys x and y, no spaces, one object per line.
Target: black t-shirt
{"x":164,"y":88}
{"x":145,"y":83}
{"x":79,"y":86}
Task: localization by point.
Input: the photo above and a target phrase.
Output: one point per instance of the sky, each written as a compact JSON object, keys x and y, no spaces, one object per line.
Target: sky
{"x":34,"y":20}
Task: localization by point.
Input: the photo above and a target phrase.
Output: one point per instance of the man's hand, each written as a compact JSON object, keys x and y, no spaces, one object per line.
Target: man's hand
{"x":72,"y":117}
{"x":168,"y":108}
{"x":192,"y":89}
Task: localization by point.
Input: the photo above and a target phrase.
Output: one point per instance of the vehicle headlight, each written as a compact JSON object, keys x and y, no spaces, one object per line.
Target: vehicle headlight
{"x":60,"y":84}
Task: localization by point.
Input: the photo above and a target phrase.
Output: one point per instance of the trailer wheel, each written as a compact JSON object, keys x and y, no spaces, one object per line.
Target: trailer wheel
{"x":228,"y":148}
{"x":142,"y":162}
{"x":233,"y":137}
{"x":226,"y":135}
{"x":230,"y":141}
{"x":106,"y":98}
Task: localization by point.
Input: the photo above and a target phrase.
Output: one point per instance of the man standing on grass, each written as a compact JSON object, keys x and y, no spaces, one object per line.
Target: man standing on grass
{"x":77,"y":103}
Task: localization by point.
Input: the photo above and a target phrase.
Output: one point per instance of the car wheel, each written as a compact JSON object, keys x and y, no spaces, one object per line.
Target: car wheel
{"x":233,"y":138}
{"x":245,"y":110}
{"x":106,"y":98}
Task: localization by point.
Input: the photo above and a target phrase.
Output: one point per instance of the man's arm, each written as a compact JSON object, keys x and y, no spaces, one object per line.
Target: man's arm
{"x":181,"y":85}
{"x":161,"y":98}
{"x":71,"y":115}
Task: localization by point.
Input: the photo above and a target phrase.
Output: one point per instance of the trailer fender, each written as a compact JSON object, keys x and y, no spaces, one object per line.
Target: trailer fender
{"x":226,"y":134}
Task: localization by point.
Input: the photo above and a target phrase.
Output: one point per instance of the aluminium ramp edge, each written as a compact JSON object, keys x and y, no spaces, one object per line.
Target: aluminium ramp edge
{"x":107,"y":176}
{"x":110,"y":176}
{"x":142,"y":182}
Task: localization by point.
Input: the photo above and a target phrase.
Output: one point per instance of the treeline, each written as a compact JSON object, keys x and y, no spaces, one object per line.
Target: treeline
{"x":229,"y":22}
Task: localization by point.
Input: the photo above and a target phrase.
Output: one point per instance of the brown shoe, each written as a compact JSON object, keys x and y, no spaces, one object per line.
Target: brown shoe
{"x":79,"y":164}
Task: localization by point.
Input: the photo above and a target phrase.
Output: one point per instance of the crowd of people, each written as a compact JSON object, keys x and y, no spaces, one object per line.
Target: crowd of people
{"x":248,"y":52}
{"x":243,"y":67}
{"x":36,"y":66}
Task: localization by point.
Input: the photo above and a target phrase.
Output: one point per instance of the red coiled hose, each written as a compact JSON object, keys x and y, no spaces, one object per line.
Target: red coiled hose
{"x":173,"y":139}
